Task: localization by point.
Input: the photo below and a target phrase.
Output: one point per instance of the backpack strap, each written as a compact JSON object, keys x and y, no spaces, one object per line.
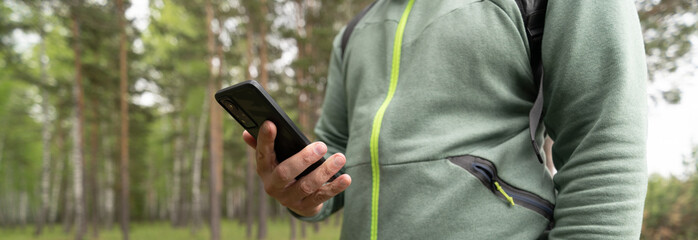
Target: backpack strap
{"x":352,"y":24}
{"x":533,"y":13}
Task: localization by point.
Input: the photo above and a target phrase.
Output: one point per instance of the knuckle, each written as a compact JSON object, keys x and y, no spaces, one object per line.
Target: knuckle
{"x":260,"y":155}
{"x":318,"y":198}
{"x":309,"y":158}
{"x":336,"y":188}
{"x":328,"y":171}
{"x":283,"y":174}
{"x":306,"y":188}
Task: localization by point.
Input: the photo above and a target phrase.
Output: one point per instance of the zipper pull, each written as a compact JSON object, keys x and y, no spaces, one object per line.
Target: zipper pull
{"x":499,"y":188}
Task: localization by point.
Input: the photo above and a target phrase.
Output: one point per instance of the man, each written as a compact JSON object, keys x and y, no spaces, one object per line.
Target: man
{"x":429,"y":103}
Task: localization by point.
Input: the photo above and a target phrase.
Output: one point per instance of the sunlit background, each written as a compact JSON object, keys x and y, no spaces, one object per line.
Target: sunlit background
{"x":63,"y":108}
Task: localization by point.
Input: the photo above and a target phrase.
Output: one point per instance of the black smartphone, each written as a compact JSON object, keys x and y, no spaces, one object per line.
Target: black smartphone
{"x":250,"y":105}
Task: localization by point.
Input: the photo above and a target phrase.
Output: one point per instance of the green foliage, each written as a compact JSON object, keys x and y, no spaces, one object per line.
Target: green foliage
{"x":668,"y":26}
{"x":20,"y":135}
{"x":670,"y":208}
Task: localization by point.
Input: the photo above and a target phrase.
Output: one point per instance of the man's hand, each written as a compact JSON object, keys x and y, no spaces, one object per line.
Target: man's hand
{"x":305,"y":196}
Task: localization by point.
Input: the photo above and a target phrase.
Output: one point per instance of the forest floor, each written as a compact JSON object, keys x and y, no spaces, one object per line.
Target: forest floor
{"x":163,"y":230}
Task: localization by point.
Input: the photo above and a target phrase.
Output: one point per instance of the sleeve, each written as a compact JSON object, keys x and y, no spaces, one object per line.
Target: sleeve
{"x":332,"y":128}
{"x":596,"y":111}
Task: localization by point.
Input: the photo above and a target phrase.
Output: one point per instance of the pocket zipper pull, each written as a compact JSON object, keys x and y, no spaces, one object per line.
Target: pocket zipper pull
{"x":499,"y":188}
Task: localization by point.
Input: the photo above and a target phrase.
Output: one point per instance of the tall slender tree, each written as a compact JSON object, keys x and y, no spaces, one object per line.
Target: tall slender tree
{"x":46,"y":128}
{"x":123,"y":100}
{"x":216,"y":129}
{"x":264,"y":79}
{"x":78,"y":127}
{"x":249,"y":170}
{"x":196,"y":168}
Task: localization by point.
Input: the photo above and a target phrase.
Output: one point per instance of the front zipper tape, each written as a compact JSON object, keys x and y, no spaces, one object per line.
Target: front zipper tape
{"x":486,"y":172}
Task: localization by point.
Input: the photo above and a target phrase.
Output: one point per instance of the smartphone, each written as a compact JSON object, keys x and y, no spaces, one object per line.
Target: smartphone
{"x":250,"y":105}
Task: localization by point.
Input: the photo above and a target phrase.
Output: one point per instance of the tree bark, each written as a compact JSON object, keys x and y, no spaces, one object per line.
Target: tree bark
{"x":68,"y":215}
{"x":250,"y":186}
{"x":2,"y":147}
{"x":93,"y":192}
{"x":263,"y":212}
{"x":196,"y":168}
{"x":177,"y":172}
{"x":77,"y":132}
{"x":57,"y":179}
{"x":292,"y":222}
{"x":23,"y":208}
{"x":229,"y":204}
{"x":45,"y":134}
{"x":216,"y":130}
{"x":109,"y":183}
{"x":123,"y":90}
{"x":249,"y":170}
{"x":264,"y":77}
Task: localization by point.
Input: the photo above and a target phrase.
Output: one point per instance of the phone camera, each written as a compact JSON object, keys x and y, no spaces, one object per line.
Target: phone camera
{"x":238,"y":114}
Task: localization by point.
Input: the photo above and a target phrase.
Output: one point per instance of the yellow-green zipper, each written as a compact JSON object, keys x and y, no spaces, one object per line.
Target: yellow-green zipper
{"x":378,"y":119}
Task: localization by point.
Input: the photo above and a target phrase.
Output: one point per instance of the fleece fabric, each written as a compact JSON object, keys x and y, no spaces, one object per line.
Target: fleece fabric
{"x":465,"y":89}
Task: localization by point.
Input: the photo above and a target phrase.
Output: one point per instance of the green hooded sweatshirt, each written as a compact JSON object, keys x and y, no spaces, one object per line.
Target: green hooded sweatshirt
{"x":430,"y":103}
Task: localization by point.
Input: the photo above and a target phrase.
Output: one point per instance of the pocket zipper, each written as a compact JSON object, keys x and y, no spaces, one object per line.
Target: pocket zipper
{"x":486,"y":172}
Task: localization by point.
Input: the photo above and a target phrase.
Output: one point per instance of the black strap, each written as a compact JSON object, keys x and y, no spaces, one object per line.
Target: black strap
{"x":533,"y":13}
{"x":352,"y":24}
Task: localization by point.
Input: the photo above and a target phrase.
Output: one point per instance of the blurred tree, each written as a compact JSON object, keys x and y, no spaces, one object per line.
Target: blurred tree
{"x":216,"y":128}
{"x":123,"y":100}
{"x":668,"y":26}
{"x":78,"y":127}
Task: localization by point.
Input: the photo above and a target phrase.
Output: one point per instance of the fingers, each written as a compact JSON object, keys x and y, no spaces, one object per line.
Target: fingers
{"x":266,"y":157}
{"x":328,"y":191}
{"x":249,"y":139}
{"x":286,"y":171}
{"x":317,"y":178}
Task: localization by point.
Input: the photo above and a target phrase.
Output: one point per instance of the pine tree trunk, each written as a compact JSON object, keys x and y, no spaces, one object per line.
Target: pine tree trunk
{"x":216,"y":129}
{"x":229,"y":204}
{"x":292,"y":222}
{"x":77,"y":134}
{"x":2,"y":147}
{"x":249,"y":170}
{"x":263,"y":213}
{"x":45,"y":136}
{"x":250,"y":187}
{"x":316,"y":227}
{"x":68,"y":215}
{"x":57,"y":179}
{"x":92,"y":173}
{"x":264,"y":77}
{"x":123,"y":90}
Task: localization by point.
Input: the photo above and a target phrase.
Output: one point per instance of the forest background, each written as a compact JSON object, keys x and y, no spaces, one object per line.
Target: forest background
{"x":108,"y":131}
